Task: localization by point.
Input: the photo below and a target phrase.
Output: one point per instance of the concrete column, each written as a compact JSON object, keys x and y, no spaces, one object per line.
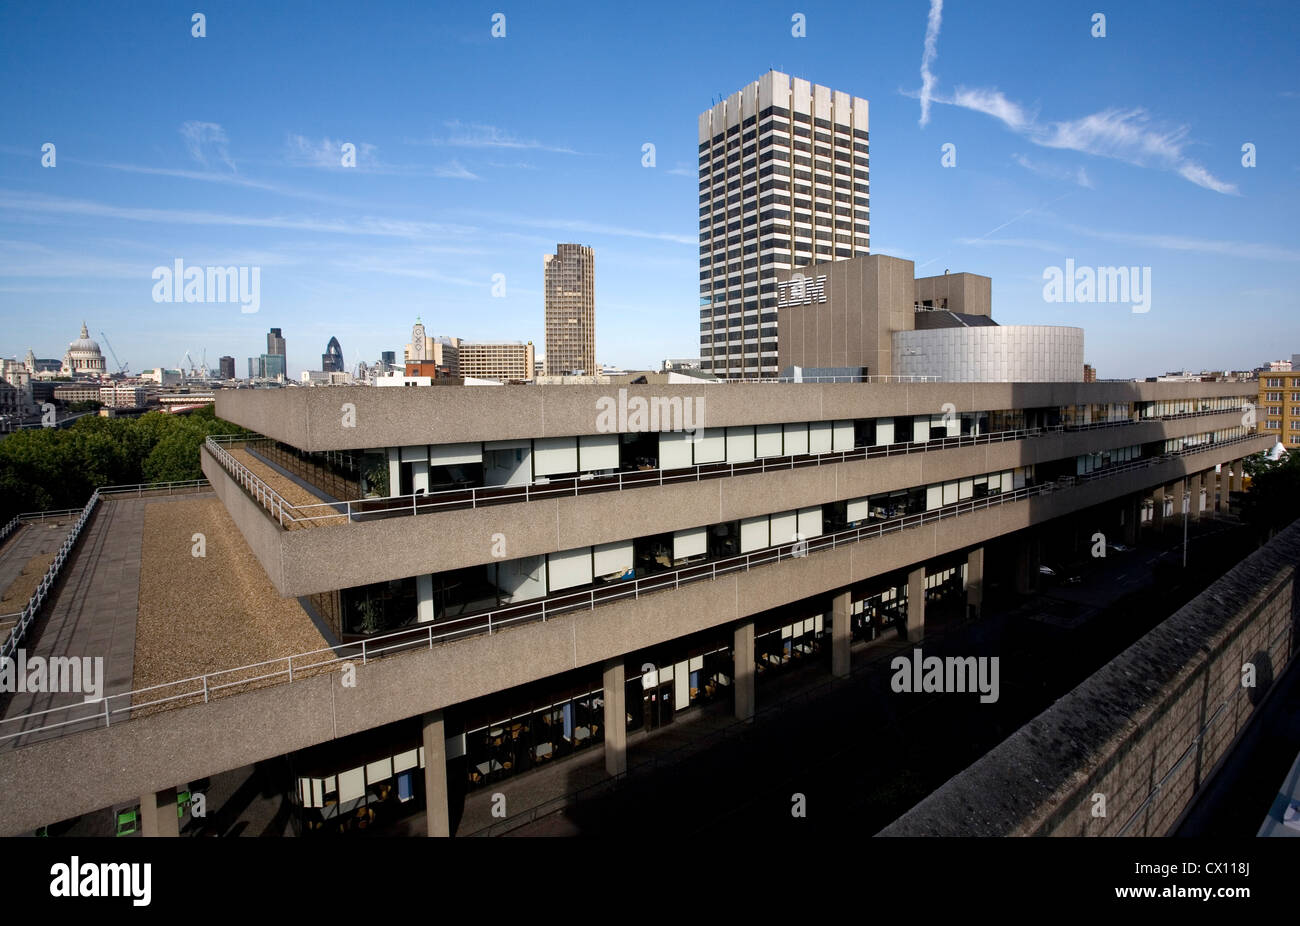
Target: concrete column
{"x":841,"y":634}
{"x":1238,"y":474}
{"x":1132,"y":519}
{"x":1158,"y":509}
{"x":158,"y":814}
{"x":916,"y":604}
{"x":1225,"y":488}
{"x":1028,"y":555}
{"x":615,"y":682}
{"x":424,"y":598}
{"x":1195,"y":483}
{"x":743,"y":683}
{"x":975,"y":581}
{"x":437,"y":811}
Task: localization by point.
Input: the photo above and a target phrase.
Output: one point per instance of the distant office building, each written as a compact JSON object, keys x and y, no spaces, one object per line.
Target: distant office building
{"x":164,"y":377}
{"x":388,"y":360}
{"x":1278,"y":406}
{"x":442,"y":352}
{"x":121,"y":395}
{"x":678,"y":364}
{"x":227,"y":365}
{"x":507,"y":362}
{"x":77,"y":392}
{"x":1089,"y":374}
{"x":570,"y":278}
{"x":266,"y":366}
{"x":798,"y":152}
{"x":275,"y":343}
{"x":332,"y":360}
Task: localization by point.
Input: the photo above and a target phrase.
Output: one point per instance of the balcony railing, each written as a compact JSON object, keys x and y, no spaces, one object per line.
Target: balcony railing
{"x":201,"y":689}
{"x":289,"y":515}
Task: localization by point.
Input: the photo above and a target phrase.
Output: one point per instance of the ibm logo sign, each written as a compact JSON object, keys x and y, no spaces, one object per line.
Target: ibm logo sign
{"x":801,"y":290}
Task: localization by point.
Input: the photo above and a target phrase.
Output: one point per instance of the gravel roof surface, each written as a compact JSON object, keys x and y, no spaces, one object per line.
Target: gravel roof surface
{"x":290,"y":491}
{"x":204,"y":614}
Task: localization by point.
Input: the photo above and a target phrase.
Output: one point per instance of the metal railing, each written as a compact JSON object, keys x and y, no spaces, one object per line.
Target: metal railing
{"x":27,"y":615}
{"x":287,"y":513}
{"x":285,"y":669}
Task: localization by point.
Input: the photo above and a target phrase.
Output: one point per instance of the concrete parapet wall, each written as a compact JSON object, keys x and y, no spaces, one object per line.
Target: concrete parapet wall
{"x":1130,"y":731}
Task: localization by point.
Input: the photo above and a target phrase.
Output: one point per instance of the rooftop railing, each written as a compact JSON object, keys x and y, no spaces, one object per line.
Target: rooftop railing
{"x":201,"y":689}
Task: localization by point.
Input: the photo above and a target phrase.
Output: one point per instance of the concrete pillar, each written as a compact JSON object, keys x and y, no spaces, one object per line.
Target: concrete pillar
{"x":1225,"y":483}
{"x":437,"y":811}
{"x":1195,"y":482}
{"x":158,"y":815}
{"x":1132,"y":519}
{"x":1238,"y":474}
{"x":1028,"y":555}
{"x":424,"y":598}
{"x":615,"y":682}
{"x":916,"y":604}
{"x":975,"y":581}
{"x":1158,"y":509}
{"x":743,"y":683}
{"x":841,"y":634}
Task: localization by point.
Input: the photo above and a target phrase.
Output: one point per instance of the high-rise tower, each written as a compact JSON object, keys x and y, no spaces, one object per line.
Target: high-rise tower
{"x":570,"y":310}
{"x":783,"y":183}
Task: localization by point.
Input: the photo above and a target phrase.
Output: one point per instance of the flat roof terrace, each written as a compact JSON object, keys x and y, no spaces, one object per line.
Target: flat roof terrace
{"x":136,"y":593}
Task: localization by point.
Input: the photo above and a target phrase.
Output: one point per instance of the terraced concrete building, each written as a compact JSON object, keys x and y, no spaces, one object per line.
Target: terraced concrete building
{"x":509,"y":576}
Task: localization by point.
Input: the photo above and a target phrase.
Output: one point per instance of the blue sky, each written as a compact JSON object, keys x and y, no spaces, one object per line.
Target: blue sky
{"x":476,"y":155}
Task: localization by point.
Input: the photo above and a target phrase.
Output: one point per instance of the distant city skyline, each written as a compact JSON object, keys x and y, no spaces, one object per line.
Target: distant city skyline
{"x":1116,"y":161}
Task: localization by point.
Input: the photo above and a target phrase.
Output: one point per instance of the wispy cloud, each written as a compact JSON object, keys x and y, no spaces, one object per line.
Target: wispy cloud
{"x":928,"y":55}
{"x":682,"y":170}
{"x":474,"y":135}
{"x":1246,"y":249}
{"x":1032,"y":243}
{"x":207,"y":142}
{"x":1074,"y":175}
{"x":302,"y":151}
{"x":588,"y":228}
{"x":1127,"y":135}
{"x":44,"y":206}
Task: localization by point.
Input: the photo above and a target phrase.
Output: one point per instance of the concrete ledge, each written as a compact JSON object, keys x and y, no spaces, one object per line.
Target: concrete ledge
{"x":1124,"y":731}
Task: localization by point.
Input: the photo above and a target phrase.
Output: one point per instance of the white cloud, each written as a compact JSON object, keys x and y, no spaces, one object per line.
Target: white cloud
{"x":207,"y":141}
{"x":473,"y":135}
{"x":1122,"y":134}
{"x":1079,"y":175}
{"x":930,"y":52}
{"x":1246,"y":249}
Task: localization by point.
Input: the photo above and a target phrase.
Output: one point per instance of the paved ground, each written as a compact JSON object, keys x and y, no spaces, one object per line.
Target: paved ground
{"x":31,"y":539}
{"x":92,"y":615}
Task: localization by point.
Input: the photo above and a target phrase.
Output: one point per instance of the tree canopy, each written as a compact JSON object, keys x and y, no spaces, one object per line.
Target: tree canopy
{"x":44,"y":468}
